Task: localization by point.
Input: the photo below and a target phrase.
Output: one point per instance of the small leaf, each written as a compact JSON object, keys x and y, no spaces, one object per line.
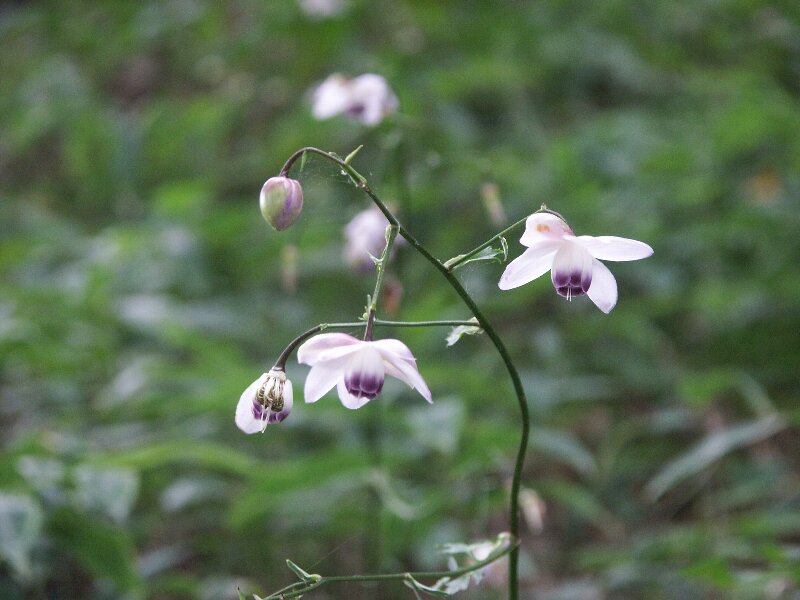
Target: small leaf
{"x":491,"y":253}
{"x":434,"y":591}
{"x":456,"y":333}
{"x":241,"y":595}
{"x":303,"y":158}
{"x":302,"y":574}
{"x":352,"y":155}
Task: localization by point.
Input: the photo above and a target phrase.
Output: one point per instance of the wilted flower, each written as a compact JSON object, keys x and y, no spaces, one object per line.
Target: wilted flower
{"x":573,"y":261}
{"x":267,"y":400}
{"x":357,"y":368}
{"x":366,"y":98}
{"x":365,"y":237}
{"x":281,"y":201}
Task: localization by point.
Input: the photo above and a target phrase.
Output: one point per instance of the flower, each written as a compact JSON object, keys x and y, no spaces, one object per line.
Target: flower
{"x":267,"y":400}
{"x":357,"y":368}
{"x":321,"y":9}
{"x":366,"y":98}
{"x":281,"y":201}
{"x":572,"y":261}
{"x":365,"y":238}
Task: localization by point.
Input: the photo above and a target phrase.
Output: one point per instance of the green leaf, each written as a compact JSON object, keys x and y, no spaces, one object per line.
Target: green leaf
{"x":105,"y":551}
{"x":301,"y":573}
{"x":456,"y":333}
{"x":20,"y":526}
{"x":204,"y":454}
{"x":710,"y":450}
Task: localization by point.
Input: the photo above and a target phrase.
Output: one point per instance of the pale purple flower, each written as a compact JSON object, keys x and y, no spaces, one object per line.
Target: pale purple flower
{"x":573,"y":261}
{"x":266,"y":401}
{"x":366,"y":98}
{"x":365,"y":238}
{"x":281,"y":201}
{"x":357,"y":368}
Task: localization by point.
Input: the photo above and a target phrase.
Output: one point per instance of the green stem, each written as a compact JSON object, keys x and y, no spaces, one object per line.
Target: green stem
{"x":280,"y":364}
{"x":317,"y":580}
{"x":456,"y":261}
{"x":380,"y":267}
{"x":361,"y":183}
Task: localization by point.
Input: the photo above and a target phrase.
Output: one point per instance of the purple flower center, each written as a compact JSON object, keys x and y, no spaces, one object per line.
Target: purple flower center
{"x":574,"y":283}
{"x":364,"y":385}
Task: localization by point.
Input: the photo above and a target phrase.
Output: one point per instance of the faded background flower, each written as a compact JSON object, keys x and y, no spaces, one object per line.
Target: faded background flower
{"x":141,"y":292}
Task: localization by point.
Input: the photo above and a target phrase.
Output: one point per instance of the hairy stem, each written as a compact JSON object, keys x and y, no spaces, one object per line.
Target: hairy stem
{"x":361,"y":183}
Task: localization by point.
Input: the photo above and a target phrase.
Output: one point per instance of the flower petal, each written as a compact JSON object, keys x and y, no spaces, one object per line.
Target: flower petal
{"x":603,"y":291}
{"x":572,"y":270}
{"x":391,"y":348}
{"x":245,"y":420}
{"x":364,"y":374}
{"x":348,"y":400}
{"x":251,"y":416}
{"x":322,"y":377}
{"x":331,"y":97}
{"x":543,"y":226}
{"x":533,"y":263}
{"x":327,"y":346}
{"x":408,"y":373}
{"x":609,"y":247}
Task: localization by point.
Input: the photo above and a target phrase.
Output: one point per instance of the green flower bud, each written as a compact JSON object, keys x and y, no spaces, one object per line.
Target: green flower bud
{"x":281,"y":202}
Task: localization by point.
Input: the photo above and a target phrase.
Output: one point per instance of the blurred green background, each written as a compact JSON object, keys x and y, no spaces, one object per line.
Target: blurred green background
{"x":141,"y":292}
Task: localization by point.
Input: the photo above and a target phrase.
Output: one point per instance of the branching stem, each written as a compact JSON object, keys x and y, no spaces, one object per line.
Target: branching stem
{"x":361,"y":183}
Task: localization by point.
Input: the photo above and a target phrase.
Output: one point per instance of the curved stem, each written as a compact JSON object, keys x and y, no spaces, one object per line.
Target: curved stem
{"x":316,"y":581}
{"x":361,"y":183}
{"x":280,"y":364}
{"x":456,"y":261}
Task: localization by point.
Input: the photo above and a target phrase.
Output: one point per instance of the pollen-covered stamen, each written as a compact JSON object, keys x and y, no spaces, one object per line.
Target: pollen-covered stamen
{"x":365,"y":374}
{"x":572,"y":271}
{"x":269,"y":403}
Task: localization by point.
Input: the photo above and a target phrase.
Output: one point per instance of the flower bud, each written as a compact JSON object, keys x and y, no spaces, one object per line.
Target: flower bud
{"x":267,"y":400}
{"x":281,"y":202}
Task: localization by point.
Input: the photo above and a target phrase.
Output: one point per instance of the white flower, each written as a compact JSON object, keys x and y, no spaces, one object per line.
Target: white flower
{"x":365,"y":237}
{"x":267,"y":400}
{"x":321,"y":9}
{"x":357,"y":368}
{"x":366,"y":98}
{"x":572,"y":260}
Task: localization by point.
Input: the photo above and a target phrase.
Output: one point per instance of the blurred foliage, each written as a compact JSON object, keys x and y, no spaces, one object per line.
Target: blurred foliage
{"x":140,"y":293}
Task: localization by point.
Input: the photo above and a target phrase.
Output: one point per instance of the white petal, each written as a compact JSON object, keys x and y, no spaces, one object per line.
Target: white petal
{"x":391,"y":348}
{"x":244,"y":409}
{"x":571,"y":272}
{"x":543,"y":226}
{"x":364,"y":374}
{"x":533,"y":263}
{"x":408,"y":373}
{"x":609,"y":247}
{"x":331,"y":97}
{"x":347,"y":398}
{"x":603,"y":290}
{"x":327,"y":346}
{"x":322,"y":377}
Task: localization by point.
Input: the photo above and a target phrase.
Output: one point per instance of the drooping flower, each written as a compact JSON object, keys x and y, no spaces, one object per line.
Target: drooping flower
{"x":267,"y":400}
{"x":366,"y":98}
{"x":281,"y":201}
{"x":574,"y":261}
{"x":357,"y":368}
{"x":365,"y":237}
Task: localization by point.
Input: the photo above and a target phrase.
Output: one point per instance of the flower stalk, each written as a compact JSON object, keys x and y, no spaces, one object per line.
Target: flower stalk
{"x":361,"y":183}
